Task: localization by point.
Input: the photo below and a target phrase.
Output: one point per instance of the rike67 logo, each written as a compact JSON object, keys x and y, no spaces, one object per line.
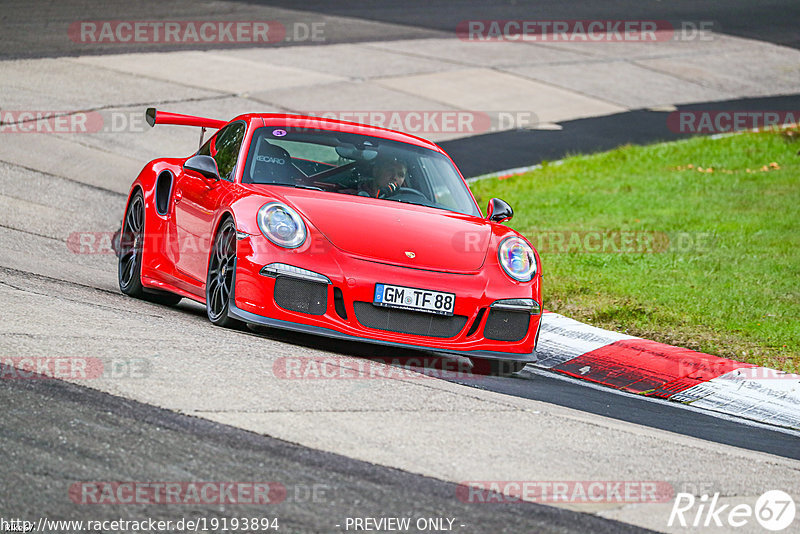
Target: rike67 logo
{"x":774,"y":510}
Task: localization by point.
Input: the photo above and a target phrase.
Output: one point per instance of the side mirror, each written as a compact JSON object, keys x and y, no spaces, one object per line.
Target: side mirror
{"x":499,"y":211}
{"x":205,"y":166}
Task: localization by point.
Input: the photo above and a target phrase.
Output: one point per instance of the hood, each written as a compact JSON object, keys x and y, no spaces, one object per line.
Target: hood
{"x":385,"y":231}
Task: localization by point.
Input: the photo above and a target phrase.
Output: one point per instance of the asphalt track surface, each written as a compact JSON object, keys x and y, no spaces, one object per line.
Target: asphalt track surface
{"x":39,"y":29}
{"x":648,"y":412}
{"x":483,"y":154}
{"x":554,"y":389}
{"x":109,"y":438}
{"x":772,"y":20}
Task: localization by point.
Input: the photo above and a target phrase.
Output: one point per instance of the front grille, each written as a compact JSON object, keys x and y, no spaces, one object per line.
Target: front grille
{"x":504,"y":325}
{"x":301,"y":295}
{"x":408,"y":322}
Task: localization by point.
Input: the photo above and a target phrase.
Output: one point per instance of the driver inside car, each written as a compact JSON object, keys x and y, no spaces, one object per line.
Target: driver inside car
{"x":388,"y":175}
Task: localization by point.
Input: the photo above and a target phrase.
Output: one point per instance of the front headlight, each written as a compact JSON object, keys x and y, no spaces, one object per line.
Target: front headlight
{"x":282,"y":225}
{"x":517,"y":259}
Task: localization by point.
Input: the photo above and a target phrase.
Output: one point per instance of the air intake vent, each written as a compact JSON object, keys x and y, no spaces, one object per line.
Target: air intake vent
{"x":504,"y":325}
{"x":408,"y":322}
{"x":301,"y":296}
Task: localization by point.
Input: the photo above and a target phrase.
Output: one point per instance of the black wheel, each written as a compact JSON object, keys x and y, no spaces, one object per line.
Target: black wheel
{"x":129,"y":266}
{"x":496,"y":367}
{"x":130,"y":248}
{"x":219,"y":282}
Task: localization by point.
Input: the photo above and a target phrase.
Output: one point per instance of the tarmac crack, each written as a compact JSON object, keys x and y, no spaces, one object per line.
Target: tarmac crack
{"x":30,"y":335}
{"x":59,"y":281}
{"x":60,"y":240}
{"x":174,"y":81}
{"x":65,"y":178}
{"x":77,"y":301}
{"x":288,"y":411}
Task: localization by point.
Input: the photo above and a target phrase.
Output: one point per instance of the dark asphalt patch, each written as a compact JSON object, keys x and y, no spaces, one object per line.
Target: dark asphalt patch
{"x":774,"y":21}
{"x":54,"y":434}
{"x":46,"y":29}
{"x":494,"y":152}
{"x":41,"y":29}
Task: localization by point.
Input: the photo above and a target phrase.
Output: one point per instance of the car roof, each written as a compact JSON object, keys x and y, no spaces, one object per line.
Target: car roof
{"x":322,"y":123}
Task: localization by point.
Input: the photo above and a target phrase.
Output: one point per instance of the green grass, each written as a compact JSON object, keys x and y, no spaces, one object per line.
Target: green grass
{"x":723,"y":274}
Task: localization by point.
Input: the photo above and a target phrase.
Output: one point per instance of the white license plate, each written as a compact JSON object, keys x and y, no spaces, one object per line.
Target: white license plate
{"x":410,"y":298}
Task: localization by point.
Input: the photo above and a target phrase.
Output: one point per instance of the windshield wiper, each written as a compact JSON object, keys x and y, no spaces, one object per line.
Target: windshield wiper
{"x":298,"y":186}
{"x":399,"y":200}
{"x":303,"y":186}
{"x":427,"y":204}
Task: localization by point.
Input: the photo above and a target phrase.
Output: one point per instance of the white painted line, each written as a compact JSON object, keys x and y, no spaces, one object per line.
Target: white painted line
{"x":756,"y":393}
{"x":512,"y":172}
{"x":562,"y":339}
{"x":517,"y":170}
{"x":530,"y":370}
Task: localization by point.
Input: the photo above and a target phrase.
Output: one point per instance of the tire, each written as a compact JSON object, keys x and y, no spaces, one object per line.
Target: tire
{"x":220,"y":278}
{"x":496,"y":367}
{"x":129,"y":264}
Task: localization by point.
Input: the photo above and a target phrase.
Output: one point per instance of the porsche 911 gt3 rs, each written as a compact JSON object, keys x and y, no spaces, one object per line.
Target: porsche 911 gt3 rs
{"x":331,"y":228}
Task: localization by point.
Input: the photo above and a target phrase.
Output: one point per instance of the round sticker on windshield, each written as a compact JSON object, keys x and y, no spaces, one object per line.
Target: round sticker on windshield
{"x":278,"y":133}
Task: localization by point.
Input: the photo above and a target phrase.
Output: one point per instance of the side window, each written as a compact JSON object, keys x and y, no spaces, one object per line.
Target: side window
{"x":224,"y":148}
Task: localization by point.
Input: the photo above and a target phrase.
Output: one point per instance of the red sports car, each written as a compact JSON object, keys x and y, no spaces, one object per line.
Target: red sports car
{"x":335,"y":229}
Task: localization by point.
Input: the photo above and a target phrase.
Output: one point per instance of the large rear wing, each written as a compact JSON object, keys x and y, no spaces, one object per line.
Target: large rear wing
{"x":154,"y":117}
{"x":162,"y":117}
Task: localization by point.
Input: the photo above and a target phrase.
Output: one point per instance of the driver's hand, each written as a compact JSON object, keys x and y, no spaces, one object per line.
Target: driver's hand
{"x":390,"y":188}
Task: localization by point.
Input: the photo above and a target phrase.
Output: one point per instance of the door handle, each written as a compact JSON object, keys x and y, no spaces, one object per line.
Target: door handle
{"x":178,"y":195}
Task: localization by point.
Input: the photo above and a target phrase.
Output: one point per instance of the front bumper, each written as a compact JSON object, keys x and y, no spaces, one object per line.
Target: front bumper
{"x":252,"y":318}
{"x":254,"y":301}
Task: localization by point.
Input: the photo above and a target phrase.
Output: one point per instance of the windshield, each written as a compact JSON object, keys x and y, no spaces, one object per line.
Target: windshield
{"x":353,"y":164}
